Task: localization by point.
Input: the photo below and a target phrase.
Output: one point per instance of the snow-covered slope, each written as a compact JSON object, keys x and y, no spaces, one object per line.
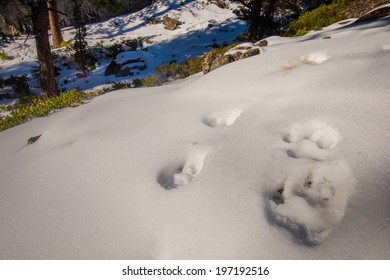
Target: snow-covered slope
{"x":280,"y":156}
{"x":202,"y":26}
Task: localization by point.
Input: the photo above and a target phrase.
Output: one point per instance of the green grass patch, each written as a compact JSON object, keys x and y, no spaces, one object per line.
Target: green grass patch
{"x":41,"y":107}
{"x":4,"y":56}
{"x":316,"y":19}
{"x":151,"y":81}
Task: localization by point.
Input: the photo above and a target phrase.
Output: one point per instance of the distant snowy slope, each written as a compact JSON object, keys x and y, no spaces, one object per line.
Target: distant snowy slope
{"x":202,"y":26}
{"x":284,"y":155}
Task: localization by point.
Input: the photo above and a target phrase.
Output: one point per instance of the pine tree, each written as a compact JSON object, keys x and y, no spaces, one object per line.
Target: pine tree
{"x":259,"y":14}
{"x":40,"y":23}
{"x":82,"y":56}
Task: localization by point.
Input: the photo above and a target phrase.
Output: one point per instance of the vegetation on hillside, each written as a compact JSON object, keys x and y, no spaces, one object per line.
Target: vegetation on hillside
{"x":43,"y":106}
{"x":318,"y":18}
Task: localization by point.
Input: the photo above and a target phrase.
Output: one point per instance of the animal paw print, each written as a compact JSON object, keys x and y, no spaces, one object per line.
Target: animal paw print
{"x":313,"y":139}
{"x":183,"y":173}
{"x":223,"y":118}
{"x":310,"y":204}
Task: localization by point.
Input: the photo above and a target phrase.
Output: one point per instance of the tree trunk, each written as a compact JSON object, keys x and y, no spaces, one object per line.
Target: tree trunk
{"x":55,"y":24}
{"x":40,"y":21}
{"x":256,"y":21}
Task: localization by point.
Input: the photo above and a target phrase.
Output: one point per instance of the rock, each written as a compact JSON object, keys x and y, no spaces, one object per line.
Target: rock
{"x":236,"y":54}
{"x":170,"y":23}
{"x":207,"y":61}
{"x":33,"y":139}
{"x":220,"y":3}
{"x":261,"y":43}
{"x":153,"y":20}
{"x":375,"y":14}
{"x":250,"y":53}
{"x":220,"y":61}
{"x":124,"y":64}
{"x":358,"y":8}
{"x":128,"y":70}
{"x":213,"y":61}
{"x":7,"y":92}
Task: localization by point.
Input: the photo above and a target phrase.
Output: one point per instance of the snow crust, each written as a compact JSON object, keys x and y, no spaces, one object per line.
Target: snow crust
{"x":246,"y":162}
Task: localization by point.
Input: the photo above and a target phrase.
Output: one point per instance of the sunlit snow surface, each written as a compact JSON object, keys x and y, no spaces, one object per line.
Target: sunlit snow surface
{"x":251,"y":161}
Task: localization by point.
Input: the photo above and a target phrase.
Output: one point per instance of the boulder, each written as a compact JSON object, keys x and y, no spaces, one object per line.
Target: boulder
{"x":236,"y":54}
{"x":220,"y":61}
{"x":212,"y":61}
{"x":125,"y":63}
{"x":261,"y":43}
{"x":170,"y":23}
{"x":357,"y":8}
{"x":249,"y":53}
{"x":7,"y":92}
{"x":129,"y":70}
{"x":220,"y":3}
{"x":380,"y":12}
{"x":207,"y":60}
{"x":153,"y":20}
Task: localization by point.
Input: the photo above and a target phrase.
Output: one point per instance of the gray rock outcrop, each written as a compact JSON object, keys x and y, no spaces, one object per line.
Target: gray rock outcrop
{"x":220,"y":3}
{"x":212,"y":61}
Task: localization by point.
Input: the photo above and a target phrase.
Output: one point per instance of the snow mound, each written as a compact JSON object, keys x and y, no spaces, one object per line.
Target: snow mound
{"x":311,"y":203}
{"x":307,"y":149}
{"x":224,"y":118}
{"x":386,"y":47}
{"x":315,"y":58}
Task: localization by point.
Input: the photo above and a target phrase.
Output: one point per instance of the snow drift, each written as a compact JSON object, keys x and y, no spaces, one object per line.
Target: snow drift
{"x":246,"y":162}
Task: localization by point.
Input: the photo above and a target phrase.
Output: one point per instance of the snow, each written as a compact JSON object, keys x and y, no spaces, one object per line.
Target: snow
{"x":315,"y":58}
{"x":246,"y":162}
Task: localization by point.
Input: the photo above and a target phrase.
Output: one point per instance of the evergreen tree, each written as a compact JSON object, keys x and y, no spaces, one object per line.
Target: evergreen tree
{"x":82,"y":56}
{"x":259,"y":14}
{"x":40,"y":23}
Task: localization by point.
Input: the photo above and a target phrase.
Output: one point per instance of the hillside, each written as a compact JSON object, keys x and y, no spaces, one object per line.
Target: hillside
{"x":202,"y":26}
{"x":283,"y":155}
{"x":14,"y":16}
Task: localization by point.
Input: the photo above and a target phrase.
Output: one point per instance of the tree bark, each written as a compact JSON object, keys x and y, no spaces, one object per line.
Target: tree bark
{"x":40,"y":21}
{"x":55,"y":24}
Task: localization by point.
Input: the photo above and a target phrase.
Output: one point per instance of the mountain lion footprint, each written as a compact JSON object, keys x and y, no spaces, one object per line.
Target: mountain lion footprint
{"x":182,"y":173}
{"x":310,"y":204}
{"x":313,"y":139}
